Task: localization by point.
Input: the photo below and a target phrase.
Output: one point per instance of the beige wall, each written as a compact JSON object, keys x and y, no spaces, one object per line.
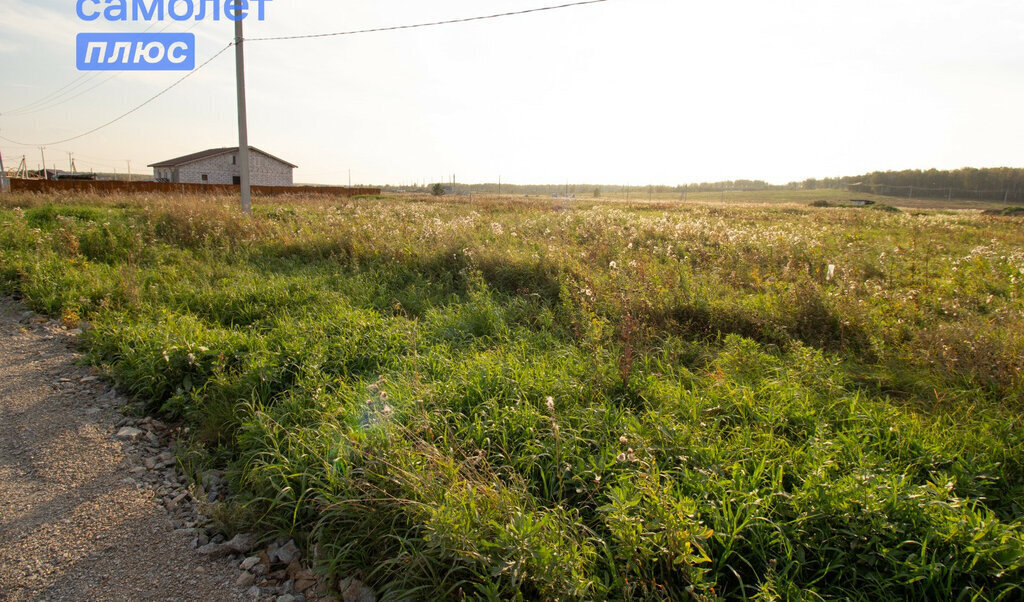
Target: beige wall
{"x":263,"y":170}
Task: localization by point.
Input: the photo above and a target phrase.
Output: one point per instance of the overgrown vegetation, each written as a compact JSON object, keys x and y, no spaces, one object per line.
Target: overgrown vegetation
{"x":542,"y":400}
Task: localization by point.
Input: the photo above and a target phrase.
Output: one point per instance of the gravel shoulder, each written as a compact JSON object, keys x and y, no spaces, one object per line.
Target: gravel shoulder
{"x":77,"y":519}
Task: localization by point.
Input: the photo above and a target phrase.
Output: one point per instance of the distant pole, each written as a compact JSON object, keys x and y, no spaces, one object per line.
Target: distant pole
{"x":4,"y":186}
{"x":243,"y":129}
{"x":71,"y":164}
{"x":129,"y":170}
{"x":499,"y":185}
{"x":350,"y":178}
{"x":42,"y":153}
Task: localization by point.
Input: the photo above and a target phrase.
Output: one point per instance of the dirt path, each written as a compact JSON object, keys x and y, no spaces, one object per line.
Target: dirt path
{"x":84,"y":514}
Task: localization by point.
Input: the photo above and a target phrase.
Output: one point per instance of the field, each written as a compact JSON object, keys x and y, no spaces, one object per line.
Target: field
{"x":554,"y":399}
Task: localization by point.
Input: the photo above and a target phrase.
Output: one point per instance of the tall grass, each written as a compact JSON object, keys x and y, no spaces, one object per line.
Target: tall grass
{"x":532,"y":399}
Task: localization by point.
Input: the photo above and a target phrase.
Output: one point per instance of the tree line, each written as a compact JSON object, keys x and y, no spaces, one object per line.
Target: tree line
{"x":982,"y":184}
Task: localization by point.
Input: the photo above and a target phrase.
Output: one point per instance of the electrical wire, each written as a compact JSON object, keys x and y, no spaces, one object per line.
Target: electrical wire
{"x":54,"y":100}
{"x":321,"y":35}
{"x":116,"y":119}
{"x":52,"y":95}
{"x":419,"y":25}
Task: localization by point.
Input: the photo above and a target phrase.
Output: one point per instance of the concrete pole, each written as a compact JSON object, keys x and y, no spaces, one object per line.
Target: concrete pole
{"x":243,"y":131}
{"x":4,"y":186}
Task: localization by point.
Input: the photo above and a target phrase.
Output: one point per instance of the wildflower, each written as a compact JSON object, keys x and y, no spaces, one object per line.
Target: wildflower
{"x":550,"y":403}
{"x":623,"y":440}
{"x":621,"y":457}
{"x":613,"y":265}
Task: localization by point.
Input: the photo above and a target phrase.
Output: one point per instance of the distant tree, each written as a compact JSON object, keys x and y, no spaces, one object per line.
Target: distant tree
{"x":437,"y":189}
{"x":597,"y":193}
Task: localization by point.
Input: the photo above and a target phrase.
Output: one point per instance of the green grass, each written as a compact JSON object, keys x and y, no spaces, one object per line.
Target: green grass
{"x":536,"y":399}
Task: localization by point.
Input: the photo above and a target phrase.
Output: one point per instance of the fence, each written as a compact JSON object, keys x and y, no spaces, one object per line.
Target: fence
{"x":1005,"y":195}
{"x":116,"y":187}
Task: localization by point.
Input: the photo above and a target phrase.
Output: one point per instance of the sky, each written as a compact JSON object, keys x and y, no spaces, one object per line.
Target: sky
{"x":620,"y":92}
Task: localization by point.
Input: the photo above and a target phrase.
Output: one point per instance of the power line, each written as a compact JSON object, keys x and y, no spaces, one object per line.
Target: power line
{"x":321,"y":35}
{"x":55,"y":99}
{"x":419,"y":25}
{"x":58,"y":101}
{"x":115,"y":120}
{"x":52,"y":95}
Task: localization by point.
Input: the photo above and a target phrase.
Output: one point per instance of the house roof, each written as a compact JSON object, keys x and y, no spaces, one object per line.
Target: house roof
{"x":213,"y":152}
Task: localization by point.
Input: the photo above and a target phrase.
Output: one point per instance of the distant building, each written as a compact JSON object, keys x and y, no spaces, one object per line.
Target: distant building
{"x":220,"y":166}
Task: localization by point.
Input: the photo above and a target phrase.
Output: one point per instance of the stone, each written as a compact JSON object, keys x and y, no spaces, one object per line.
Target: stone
{"x":253,"y":592}
{"x":286,"y":598}
{"x":303,"y":585}
{"x":354,"y":590}
{"x":128,"y":433}
{"x":239,"y":544}
{"x":288,"y":552}
{"x":249,"y":562}
{"x":245,"y":579}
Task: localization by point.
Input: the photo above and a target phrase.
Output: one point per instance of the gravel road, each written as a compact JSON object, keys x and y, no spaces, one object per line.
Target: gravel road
{"x":77,"y":521}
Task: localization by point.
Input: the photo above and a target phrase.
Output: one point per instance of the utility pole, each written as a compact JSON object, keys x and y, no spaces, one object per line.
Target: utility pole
{"x":4,"y":186}
{"x":129,"y":170}
{"x":499,"y":185}
{"x":243,"y":128}
{"x":71,"y":163}
{"x":46,"y":174}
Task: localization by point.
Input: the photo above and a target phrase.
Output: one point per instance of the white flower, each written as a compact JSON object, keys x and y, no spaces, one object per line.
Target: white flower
{"x":550,"y":402}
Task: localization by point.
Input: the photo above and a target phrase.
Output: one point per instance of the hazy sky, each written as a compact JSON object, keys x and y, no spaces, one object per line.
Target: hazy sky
{"x":627,"y":91}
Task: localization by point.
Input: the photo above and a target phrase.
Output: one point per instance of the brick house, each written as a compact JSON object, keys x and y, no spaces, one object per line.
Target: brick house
{"x":220,"y":166}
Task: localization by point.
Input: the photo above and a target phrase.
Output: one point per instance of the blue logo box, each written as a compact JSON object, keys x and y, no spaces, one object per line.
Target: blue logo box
{"x":136,"y":51}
